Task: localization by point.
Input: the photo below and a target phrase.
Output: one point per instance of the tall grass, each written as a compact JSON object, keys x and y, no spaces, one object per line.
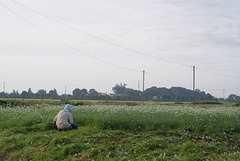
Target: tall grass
{"x":152,"y":117}
{"x":148,"y":117}
{"x":20,"y":116}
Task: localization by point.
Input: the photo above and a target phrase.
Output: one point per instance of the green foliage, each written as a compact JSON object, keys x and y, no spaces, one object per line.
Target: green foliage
{"x":113,"y":132}
{"x":121,"y":92}
{"x":209,"y":102}
{"x":73,"y":149}
{"x":237,"y":104}
{"x":61,"y":141}
{"x":26,"y":102}
{"x":3,"y":103}
{"x":13,"y":103}
{"x":89,"y":143}
{"x":133,"y":118}
{"x":233,"y":98}
{"x":178,"y":102}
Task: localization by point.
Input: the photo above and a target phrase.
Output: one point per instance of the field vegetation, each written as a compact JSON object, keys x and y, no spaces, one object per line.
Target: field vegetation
{"x":20,"y":102}
{"x":121,"y":132}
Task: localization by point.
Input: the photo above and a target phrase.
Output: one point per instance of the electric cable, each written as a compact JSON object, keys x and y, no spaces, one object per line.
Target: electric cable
{"x":220,"y":89}
{"x":153,"y":75}
{"x":219,"y":74}
{"x":115,"y":44}
{"x":64,"y":43}
{"x":109,"y":42}
{"x":100,"y":39}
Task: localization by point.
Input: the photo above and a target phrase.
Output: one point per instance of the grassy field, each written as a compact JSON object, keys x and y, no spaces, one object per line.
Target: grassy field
{"x":18,"y":101}
{"x":121,"y":132}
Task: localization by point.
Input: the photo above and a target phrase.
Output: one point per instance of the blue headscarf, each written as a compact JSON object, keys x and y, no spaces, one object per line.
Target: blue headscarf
{"x":68,"y":108}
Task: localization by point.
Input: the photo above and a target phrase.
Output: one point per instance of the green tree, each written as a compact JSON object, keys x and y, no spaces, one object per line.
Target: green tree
{"x":53,"y":94}
{"x":119,"y":89}
{"x":30,"y":93}
{"x":84,"y":93}
{"x":24,"y":94}
{"x":233,"y":98}
{"x":41,"y":94}
{"x":93,"y":94}
{"x":14,"y":94}
{"x":77,"y":93}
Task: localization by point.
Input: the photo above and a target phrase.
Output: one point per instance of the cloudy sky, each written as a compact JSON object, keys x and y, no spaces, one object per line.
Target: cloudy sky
{"x":47,"y":44}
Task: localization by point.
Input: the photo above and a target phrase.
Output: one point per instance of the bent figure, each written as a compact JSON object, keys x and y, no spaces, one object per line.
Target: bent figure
{"x":64,"y":120}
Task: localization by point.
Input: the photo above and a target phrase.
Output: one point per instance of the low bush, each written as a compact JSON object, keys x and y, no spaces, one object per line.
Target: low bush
{"x":208,"y":102}
{"x":237,"y":104}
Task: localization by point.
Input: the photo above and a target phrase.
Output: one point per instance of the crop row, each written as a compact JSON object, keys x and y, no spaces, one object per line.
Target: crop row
{"x":133,"y":118}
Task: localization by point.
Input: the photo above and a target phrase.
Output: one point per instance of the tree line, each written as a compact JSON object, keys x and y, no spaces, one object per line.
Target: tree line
{"x":77,"y":94}
{"x":121,"y":92}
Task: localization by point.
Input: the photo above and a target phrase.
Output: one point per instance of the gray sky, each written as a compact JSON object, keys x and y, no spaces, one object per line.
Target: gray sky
{"x":168,"y":37}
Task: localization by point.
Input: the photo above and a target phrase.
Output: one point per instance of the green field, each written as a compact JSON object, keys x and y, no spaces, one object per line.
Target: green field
{"x":97,"y":102}
{"x":121,"y":132}
{"x":17,"y":101}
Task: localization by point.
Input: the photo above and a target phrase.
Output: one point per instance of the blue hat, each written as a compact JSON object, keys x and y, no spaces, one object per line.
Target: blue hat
{"x":68,"y":108}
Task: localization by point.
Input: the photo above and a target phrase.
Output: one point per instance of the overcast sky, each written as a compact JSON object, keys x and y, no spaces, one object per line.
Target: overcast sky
{"x":166,"y":37}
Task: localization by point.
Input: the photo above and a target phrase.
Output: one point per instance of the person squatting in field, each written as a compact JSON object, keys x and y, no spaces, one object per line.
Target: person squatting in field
{"x":64,"y":120}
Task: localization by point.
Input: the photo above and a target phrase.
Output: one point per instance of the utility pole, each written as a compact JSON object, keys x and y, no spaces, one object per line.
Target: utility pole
{"x":193,"y":85}
{"x":139,"y":85}
{"x":3,"y":87}
{"x":224,"y":93}
{"x":143,"y":88}
{"x":65,"y":100}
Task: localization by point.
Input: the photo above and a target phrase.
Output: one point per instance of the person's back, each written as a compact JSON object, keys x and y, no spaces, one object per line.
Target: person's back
{"x":64,"y":120}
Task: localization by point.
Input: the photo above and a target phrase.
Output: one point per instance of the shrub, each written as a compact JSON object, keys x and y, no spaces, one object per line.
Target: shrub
{"x":3,"y":103}
{"x":178,"y":102}
{"x":237,"y":104}
{"x":208,"y":102}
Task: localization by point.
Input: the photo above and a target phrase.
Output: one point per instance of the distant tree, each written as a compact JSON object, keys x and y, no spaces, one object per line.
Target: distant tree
{"x":122,"y":93}
{"x":14,"y":94}
{"x":41,"y":94}
{"x":131,"y":94}
{"x":221,"y":99}
{"x":24,"y":94}
{"x":119,"y":89}
{"x":3,"y":95}
{"x":84,"y":93}
{"x":233,"y":98}
{"x":77,"y":93}
{"x":175,"y":94}
{"x":93,"y":94}
{"x":30,"y":93}
{"x":209,"y":97}
{"x":53,"y":94}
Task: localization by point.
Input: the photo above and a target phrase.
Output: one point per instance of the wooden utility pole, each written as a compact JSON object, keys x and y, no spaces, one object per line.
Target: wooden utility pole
{"x":4,"y":87}
{"x":65,"y":99}
{"x":143,"y":88}
{"x":223,"y":93}
{"x":139,"y":85}
{"x":193,"y":85}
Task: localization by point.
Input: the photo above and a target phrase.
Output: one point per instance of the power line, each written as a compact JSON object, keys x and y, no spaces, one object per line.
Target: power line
{"x":219,"y":74}
{"x":115,"y":44}
{"x":96,"y":37}
{"x":4,"y":85}
{"x":220,"y":89}
{"x":51,"y":36}
{"x":64,"y":43}
{"x":153,"y":75}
